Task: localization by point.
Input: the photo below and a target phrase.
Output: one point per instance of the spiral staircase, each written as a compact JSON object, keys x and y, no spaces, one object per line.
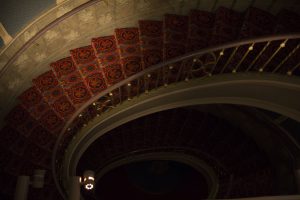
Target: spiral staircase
{"x":136,"y":61}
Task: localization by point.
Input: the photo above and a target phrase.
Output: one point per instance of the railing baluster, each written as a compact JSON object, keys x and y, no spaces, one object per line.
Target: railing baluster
{"x":111,"y":96}
{"x":290,"y":72}
{"x":250,"y":48}
{"x":170,"y":68}
{"x":229,"y":59}
{"x":195,"y":60}
{"x":286,"y":58}
{"x":147,"y":80}
{"x":282,"y":45}
{"x":157,"y":79}
{"x":178,"y":75}
{"x":138,"y":87}
{"x":129,"y":91}
{"x":112,"y":100}
{"x":120,"y":94}
{"x":256,"y":58}
{"x":217,"y":61}
{"x":188,"y":72}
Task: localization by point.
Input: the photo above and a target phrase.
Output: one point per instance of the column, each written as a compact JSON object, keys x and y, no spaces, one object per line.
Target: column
{"x":22,"y":188}
{"x":74,"y":188}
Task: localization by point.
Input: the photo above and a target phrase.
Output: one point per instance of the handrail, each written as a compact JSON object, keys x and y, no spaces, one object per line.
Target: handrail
{"x":194,"y":56}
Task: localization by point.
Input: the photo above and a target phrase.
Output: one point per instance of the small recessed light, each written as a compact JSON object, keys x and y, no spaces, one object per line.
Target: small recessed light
{"x":89,"y":186}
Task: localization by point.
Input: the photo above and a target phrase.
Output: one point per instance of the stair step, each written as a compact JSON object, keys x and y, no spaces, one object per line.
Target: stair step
{"x":151,"y":36}
{"x":54,"y":95}
{"x":85,"y":60}
{"x":71,"y":80}
{"x":200,"y":28}
{"x":175,"y":35}
{"x":257,"y":23}
{"x":33,"y":101}
{"x":226,"y":27}
{"x":287,"y":22}
{"x":129,"y":48}
{"x":109,"y":59}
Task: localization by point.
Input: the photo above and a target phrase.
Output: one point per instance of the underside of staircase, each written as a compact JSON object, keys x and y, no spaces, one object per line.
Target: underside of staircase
{"x":33,"y":126}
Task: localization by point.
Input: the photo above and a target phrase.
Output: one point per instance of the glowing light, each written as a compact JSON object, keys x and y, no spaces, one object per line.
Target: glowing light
{"x":89,"y":186}
{"x":250,"y":48}
{"x":129,"y":84}
{"x":282,"y":45}
{"x":170,"y":67}
{"x":148,"y":75}
{"x":110,"y":94}
{"x":221,"y":53}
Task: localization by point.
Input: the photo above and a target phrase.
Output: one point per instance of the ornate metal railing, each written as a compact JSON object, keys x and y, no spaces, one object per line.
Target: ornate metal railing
{"x":278,"y":54}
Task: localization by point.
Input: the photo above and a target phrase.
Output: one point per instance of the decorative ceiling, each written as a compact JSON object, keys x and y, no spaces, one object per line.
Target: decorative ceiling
{"x":44,"y":83}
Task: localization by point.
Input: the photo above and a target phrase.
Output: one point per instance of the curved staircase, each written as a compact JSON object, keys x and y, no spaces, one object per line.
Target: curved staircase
{"x":48,"y":111}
